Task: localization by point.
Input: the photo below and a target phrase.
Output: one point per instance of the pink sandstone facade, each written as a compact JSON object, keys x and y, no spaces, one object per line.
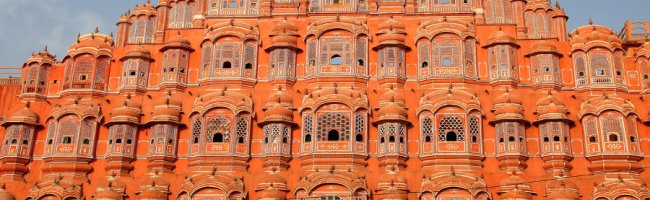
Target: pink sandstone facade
{"x":333,"y":100}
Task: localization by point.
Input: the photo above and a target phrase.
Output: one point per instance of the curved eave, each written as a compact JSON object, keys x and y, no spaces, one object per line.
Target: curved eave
{"x":537,"y":122}
{"x":494,"y":122}
{"x":154,"y":122}
{"x":278,"y":46}
{"x":390,"y":44}
{"x":379,"y":121}
{"x":265,"y":122}
{"x":9,"y":123}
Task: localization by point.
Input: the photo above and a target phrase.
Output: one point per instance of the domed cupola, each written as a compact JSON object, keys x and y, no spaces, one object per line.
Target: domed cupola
{"x":507,"y":107}
{"x":501,"y":37}
{"x":550,"y":108}
{"x":128,"y":112}
{"x":515,"y":188}
{"x":391,"y":33}
{"x":23,"y":116}
{"x":562,"y":190}
{"x":177,"y":42}
{"x":284,"y":35}
{"x":588,"y":36}
{"x":112,"y":189}
{"x":392,"y":186}
{"x":166,"y":109}
{"x":272,"y":187}
{"x":94,"y":43}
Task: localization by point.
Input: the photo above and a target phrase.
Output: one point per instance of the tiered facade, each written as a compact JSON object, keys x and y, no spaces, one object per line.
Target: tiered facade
{"x":334,"y":100}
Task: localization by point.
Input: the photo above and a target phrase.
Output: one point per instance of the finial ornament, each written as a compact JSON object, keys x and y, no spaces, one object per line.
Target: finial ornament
{"x":591,"y":21}
{"x":96,"y":29}
{"x":45,"y":50}
{"x":557,"y":4}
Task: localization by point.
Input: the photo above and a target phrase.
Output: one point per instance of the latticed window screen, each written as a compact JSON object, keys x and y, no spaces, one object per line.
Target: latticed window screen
{"x":227,"y":52}
{"x":474,"y":128}
{"x":307,"y":124}
{"x":242,"y":130}
{"x":423,"y":53}
{"x":359,"y":123}
{"x":250,"y":54}
{"x":451,"y":124}
{"x":180,"y":15}
{"x":470,"y":57}
{"x":333,"y":121}
{"x":197,"y":125}
{"x":427,"y":129}
{"x":218,"y":125}
{"x":599,"y":64}
{"x":612,"y":126}
{"x":67,"y":128}
{"x":206,"y":60}
{"x":362,"y":46}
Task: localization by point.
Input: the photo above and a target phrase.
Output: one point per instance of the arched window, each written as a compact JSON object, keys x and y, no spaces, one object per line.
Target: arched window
{"x":217,"y":137}
{"x":427,"y":139}
{"x":248,"y":66}
{"x":240,"y":140}
{"x":336,"y":60}
{"x":118,"y":141}
{"x":333,"y":135}
{"x":285,"y":140}
{"x":451,"y":126}
{"x":546,"y":139}
{"x":425,"y":64}
{"x":226,"y":65}
{"x":391,"y":138}
{"x":308,"y":138}
{"x":556,"y":138}
{"x":359,"y":138}
{"x":592,"y":139}
{"x":613,"y":137}
{"x":67,"y":140}
{"x":86,"y":141}
{"x":451,"y":136}
{"x":382,"y":140}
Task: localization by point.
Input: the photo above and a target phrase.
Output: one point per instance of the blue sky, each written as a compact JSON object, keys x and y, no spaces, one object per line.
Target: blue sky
{"x":27,"y":25}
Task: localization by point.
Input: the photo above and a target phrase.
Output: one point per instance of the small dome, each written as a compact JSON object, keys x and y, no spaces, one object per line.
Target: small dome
{"x":284,"y":34}
{"x":585,"y":35}
{"x":543,"y":47}
{"x":391,"y":24}
{"x":23,"y":116}
{"x":392,"y":95}
{"x":509,"y":109}
{"x":41,"y":57}
{"x":273,"y":178}
{"x":167,"y":109}
{"x":138,"y":51}
{"x":128,"y":112}
{"x":272,"y":186}
{"x":285,"y":26}
{"x":391,"y":32}
{"x":391,"y":179}
{"x":392,"y":111}
{"x":507,"y":97}
{"x":177,"y":42}
{"x":92,"y":43}
{"x":501,"y":37}
{"x":278,"y":112}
